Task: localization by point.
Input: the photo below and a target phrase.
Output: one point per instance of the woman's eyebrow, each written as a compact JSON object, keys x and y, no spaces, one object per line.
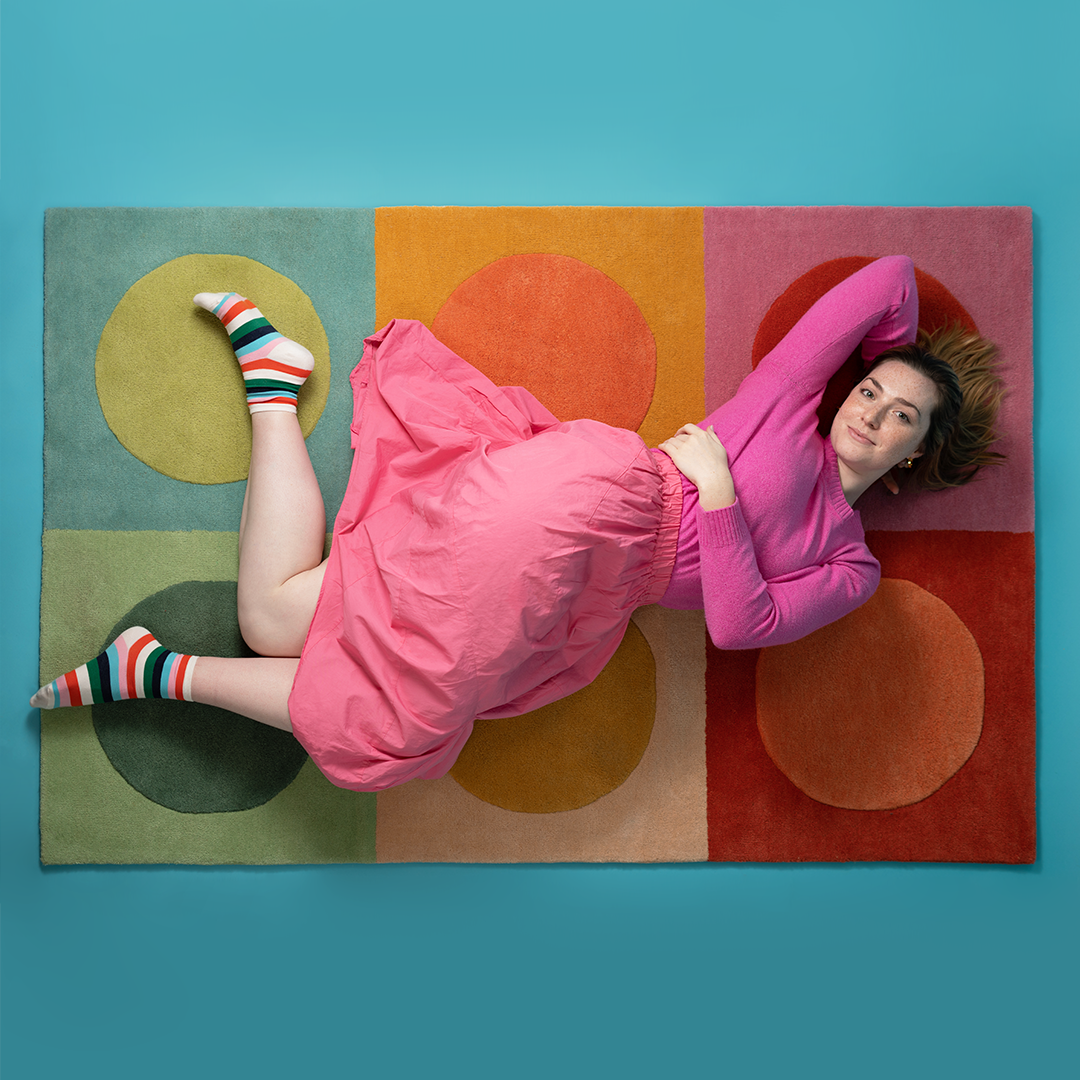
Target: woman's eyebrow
{"x":902,"y":401}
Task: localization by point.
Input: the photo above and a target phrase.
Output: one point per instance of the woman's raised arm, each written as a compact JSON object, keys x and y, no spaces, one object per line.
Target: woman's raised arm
{"x":877,"y":306}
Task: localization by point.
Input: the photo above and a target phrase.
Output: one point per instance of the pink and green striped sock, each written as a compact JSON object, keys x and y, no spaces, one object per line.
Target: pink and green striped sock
{"x":135,"y":665}
{"x":274,"y":366}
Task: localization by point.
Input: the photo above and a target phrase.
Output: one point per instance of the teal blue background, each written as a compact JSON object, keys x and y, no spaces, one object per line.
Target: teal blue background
{"x":860,"y":971}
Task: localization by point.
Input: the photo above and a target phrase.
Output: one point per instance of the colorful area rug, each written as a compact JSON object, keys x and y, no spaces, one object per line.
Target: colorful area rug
{"x":642,"y":317}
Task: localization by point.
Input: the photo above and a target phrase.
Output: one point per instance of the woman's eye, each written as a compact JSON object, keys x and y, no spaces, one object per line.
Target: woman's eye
{"x":904,"y":416}
{"x":867,"y":392}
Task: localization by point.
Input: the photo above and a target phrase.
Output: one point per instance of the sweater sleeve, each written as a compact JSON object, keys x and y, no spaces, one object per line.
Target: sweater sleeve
{"x":877,"y":306}
{"x":744,"y":611}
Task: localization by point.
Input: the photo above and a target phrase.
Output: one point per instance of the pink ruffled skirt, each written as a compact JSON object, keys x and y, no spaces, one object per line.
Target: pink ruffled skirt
{"x":485,"y":562}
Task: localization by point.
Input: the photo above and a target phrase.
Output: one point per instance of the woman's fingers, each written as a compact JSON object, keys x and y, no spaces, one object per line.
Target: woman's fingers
{"x":691,"y":433}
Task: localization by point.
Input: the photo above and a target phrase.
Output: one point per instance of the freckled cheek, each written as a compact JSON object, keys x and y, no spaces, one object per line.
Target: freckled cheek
{"x":847,"y":411}
{"x":841,"y":421}
{"x":907,"y":443}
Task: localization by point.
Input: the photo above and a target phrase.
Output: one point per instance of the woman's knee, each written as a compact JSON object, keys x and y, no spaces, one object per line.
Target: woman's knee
{"x":275,"y":621}
{"x":269,"y":628}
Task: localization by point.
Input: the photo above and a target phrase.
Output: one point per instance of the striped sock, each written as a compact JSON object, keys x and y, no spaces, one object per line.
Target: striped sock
{"x":135,"y":665}
{"x":274,"y":366}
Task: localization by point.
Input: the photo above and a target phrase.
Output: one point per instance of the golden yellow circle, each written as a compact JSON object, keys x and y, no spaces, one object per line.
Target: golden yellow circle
{"x":168,"y":381}
{"x":572,"y":752}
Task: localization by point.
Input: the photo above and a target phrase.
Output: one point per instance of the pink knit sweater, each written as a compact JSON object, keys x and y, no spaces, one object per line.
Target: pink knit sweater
{"x":789,"y":556}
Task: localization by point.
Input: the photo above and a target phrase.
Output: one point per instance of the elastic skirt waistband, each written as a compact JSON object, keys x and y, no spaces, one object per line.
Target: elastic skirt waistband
{"x":667,"y":538}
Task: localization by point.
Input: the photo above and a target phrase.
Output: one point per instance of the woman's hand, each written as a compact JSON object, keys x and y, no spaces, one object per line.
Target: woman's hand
{"x":700,"y":456}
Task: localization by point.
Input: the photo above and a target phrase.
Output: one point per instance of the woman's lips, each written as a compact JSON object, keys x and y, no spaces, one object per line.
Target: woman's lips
{"x":859,"y":437}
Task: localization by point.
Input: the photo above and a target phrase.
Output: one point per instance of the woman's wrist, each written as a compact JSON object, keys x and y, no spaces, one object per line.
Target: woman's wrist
{"x":716,"y":494}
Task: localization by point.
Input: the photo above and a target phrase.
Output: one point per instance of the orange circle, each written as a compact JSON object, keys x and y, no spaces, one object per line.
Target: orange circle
{"x":571,"y":752}
{"x":937,"y":308}
{"x":562,"y":329}
{"x":877,"y":710}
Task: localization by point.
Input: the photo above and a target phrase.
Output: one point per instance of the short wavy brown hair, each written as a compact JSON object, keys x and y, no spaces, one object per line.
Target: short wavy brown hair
{"x":963,"y":426}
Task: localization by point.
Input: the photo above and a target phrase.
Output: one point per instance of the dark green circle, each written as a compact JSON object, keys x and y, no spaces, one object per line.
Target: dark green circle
{"x":189,"y":757}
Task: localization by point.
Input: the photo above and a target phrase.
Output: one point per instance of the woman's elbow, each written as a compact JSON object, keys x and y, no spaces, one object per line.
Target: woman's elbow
{"x":732,"y":638}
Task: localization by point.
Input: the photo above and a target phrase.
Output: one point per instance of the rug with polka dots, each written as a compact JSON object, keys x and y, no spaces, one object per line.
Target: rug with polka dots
{"x":904,"y":732}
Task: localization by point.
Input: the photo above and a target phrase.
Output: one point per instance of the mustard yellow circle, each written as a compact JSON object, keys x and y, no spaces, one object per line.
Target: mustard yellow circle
{"x":168,"y":381}
{"x":573,"y":751}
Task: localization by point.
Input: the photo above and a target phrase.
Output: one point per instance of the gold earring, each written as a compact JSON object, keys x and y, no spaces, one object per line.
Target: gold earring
{"x":908,"y":463}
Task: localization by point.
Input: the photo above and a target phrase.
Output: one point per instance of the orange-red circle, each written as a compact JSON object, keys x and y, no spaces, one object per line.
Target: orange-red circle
{"x":562,"y":329}
{"x":937,"y":307}
{"x":879,"y":709}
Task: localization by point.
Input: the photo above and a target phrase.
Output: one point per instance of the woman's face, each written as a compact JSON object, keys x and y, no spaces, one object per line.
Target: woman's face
{"x":884,"y":419}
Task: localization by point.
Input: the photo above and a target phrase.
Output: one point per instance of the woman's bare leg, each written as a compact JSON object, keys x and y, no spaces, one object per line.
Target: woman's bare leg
{"x":257,"y":687}
{"x":283,"y":521}
{"x":282,"y":532}
{"x":137,"y":665}
{"x":282,"y":527}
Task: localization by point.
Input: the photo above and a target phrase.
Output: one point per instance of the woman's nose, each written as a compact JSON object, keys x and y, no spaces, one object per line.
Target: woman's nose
{"x":872,"y":416}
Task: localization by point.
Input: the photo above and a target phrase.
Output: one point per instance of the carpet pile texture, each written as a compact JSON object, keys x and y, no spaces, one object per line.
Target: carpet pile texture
{"x":644,"y":317}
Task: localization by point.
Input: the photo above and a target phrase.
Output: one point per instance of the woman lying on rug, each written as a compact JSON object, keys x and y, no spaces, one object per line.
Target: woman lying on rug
{"x":487,"y":558}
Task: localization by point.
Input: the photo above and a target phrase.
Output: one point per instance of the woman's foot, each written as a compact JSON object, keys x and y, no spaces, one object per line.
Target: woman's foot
{"x":274,"y":366}
{"x":135,"y":665}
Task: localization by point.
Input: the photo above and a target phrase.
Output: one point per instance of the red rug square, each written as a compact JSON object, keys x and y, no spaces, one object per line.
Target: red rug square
{"x":967,"y":554}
